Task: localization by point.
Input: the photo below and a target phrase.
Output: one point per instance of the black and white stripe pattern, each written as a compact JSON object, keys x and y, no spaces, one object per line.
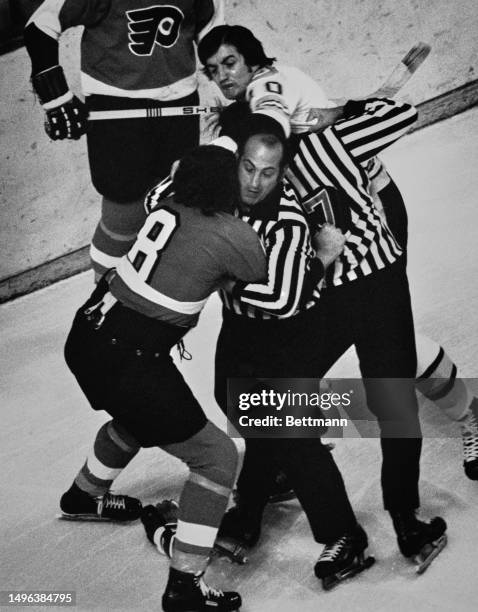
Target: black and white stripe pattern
{"x":284,"y":231}
{"x":158,"y":193}
{"x":338,"y":157}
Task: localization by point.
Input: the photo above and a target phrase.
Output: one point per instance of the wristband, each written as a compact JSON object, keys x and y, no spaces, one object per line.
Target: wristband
{"x":50,"y":84}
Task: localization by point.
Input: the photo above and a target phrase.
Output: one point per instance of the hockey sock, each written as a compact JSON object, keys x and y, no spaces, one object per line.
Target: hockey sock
{"x":437,"y":380}
{"x":112,"y":451}
{"x":212,"y":459}
{"x":115,"y":233}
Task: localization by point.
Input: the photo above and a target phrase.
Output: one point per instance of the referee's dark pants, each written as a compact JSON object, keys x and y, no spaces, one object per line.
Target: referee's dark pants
{"x":374,"y":314}
{"x":249,"y":348}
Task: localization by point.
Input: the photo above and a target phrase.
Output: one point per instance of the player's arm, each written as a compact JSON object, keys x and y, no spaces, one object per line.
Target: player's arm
{"x":209,"y":14}
{"x":288,"y":252}
{"x":66,"y":115}
{"x":269,"y":94}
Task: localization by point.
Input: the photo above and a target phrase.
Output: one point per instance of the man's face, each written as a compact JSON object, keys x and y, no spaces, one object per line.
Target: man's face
{"x":230,"y":72}
{"x":259,"y":170}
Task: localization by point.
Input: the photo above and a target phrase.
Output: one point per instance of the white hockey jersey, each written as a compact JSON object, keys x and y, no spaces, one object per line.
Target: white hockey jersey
{"x":287,"y":95}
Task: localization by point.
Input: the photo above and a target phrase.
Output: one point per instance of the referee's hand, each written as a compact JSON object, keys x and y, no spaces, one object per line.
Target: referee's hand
{"x":329,"y":243}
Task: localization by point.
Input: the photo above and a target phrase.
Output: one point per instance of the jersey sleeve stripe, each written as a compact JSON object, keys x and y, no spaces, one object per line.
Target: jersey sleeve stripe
{"x":130,"y":278}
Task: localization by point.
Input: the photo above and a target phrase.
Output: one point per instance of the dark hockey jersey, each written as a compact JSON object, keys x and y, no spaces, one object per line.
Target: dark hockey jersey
{"x":180,"y":257}
{"x":134,"y":48}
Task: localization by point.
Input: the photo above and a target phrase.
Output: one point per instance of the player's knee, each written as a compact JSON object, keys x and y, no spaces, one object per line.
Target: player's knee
{"x":226,"y":466}
{"x":217,"y":457}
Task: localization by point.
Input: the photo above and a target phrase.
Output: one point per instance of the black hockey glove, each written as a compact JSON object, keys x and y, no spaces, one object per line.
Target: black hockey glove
{"x":70,"y":120}
{"x":66,"y":115}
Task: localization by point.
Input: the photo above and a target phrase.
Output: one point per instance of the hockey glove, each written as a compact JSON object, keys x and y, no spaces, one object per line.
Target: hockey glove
{"x":66,"y":115}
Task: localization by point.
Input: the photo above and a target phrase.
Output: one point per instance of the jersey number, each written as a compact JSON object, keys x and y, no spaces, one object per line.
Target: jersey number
{"x":152,"y":239}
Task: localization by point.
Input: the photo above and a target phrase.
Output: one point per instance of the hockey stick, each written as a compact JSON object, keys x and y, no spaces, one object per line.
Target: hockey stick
{"x":150,"y":113}
{"x":397,"y":79}
{"x":402,"y":73}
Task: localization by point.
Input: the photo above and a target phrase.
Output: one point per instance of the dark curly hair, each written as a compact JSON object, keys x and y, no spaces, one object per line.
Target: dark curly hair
{"x":207,"y":179}
{"x":239,"y":123}
{"x":239,"y":37}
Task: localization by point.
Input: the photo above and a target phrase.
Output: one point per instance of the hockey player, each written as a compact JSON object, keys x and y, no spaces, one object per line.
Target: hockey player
{"x":119,"y":351}
{"x":235,"y":60}
{"x":134,"y":54}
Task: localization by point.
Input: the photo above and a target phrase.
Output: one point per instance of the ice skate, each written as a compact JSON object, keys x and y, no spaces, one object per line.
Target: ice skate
{"x":160,"y":523}
{"x":189,"y":593}
{"x":469,"y":434}
{"x":419,"y":541}
{"x":240,"y":530}
{"x":343,"y":559}
{"x":77,"y":505}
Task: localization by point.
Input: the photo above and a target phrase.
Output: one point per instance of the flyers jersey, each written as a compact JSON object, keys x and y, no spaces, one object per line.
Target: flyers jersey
{"x":134,"y":48}
{"x":180,"y":257}
{"x":286,"y":94}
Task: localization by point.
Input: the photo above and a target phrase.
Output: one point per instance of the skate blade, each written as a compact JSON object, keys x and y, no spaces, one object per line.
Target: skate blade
{"x":329,"y":582}
{"x":90,"y":518}
{"x":429,"y":553}
{"x":233,"y":552}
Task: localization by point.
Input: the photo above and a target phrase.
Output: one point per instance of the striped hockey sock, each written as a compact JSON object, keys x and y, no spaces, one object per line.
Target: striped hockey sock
{"x":212,"y":459}
{"x":437,"y":380}
{"x":112,"y":451}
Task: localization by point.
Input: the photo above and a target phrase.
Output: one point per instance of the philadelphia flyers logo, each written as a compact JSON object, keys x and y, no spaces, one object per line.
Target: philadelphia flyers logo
{"x":154,"y":25}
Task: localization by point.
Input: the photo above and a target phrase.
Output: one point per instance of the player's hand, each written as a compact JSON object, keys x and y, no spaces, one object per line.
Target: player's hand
{"x":67,"y":121}
{"x":211,"y":126}
{"x":321,"y":118}
{"x":329,"y":243}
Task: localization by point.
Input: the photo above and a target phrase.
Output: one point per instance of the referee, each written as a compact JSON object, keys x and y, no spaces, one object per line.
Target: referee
{"x":364,"y":301}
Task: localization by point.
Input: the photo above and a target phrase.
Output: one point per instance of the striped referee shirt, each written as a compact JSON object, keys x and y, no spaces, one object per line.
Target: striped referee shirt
{"x":282,"y":226}
{"x":338,"y":157}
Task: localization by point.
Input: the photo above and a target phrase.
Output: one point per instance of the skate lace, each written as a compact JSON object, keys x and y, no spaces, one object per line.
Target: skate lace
{"x":208,"y":591}
{"x":116,"y":502}
{"x":331,"y":551}
{"x":469,"y":431}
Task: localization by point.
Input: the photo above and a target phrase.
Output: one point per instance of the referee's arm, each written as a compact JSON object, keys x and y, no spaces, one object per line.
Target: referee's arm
{"x":288,"y":253}
{"x":370,"y":126}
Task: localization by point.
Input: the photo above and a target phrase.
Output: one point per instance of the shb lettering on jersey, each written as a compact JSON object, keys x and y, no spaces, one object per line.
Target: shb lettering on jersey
{"x":154,"y":25}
